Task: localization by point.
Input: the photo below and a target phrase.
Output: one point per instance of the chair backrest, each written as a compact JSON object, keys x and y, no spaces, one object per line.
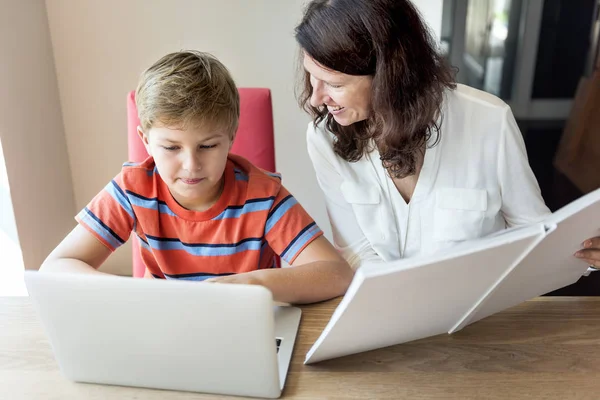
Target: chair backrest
{"x":254,"y":139}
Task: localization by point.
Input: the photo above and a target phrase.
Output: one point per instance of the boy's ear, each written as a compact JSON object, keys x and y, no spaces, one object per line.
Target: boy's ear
{"x":144,"y":139}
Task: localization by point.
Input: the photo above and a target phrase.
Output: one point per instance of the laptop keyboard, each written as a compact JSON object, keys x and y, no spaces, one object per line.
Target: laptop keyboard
{"x":278,"y":342}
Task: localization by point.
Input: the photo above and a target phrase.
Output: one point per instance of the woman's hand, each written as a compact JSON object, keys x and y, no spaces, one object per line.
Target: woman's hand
{"x":590,"y":252}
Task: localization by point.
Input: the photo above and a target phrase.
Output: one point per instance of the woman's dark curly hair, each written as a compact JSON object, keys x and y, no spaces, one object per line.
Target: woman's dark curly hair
{"x":388,"y":40}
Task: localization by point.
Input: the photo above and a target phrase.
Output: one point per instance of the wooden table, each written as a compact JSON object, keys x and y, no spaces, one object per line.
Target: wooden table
{"x":547,"y":348}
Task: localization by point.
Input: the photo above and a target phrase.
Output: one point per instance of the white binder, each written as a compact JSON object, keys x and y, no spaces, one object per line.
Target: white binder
{"x":392,"y":303}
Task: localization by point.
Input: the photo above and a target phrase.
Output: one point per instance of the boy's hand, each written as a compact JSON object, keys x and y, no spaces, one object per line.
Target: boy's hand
{"x":246,"y":278}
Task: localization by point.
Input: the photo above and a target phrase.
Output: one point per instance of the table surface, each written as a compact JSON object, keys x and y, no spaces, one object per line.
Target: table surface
{"x":548,"y":347}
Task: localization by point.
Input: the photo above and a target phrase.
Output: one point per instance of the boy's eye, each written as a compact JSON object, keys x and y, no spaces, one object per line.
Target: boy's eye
{"x":204,"y":146}
{"x":170,"y":148}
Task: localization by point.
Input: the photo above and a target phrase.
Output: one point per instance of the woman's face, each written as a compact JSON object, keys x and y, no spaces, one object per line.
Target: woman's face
{"x":347,"y":97}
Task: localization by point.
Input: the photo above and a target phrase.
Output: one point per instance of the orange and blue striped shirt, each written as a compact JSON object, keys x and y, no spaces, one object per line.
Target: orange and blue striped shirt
{"x":254,"y":220}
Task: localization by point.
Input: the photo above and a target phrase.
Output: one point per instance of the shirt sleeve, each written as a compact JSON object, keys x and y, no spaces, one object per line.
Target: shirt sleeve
{"x":289,"y":228}
{"x":109,"y":216}
{"x":522,"y":202}
{"x":348,"y":237}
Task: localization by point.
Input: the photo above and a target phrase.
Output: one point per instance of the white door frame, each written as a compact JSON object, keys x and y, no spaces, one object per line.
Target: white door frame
{"x":523,"y":106}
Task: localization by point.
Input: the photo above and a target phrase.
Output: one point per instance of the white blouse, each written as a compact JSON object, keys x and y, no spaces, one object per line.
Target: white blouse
{"x":474,"y":182}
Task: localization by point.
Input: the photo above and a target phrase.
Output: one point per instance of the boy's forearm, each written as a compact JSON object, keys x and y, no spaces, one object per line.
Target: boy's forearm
{"x":69,"y":265}
{"x":307,"y":283}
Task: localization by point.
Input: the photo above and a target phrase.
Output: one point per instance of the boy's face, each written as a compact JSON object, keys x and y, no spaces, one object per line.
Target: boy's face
{"x":191,"y":162}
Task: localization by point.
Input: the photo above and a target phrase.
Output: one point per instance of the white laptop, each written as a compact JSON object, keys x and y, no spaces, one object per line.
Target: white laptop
{"x":175,"y":335}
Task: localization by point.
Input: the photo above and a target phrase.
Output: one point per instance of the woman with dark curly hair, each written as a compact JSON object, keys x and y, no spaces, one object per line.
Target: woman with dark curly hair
{"x":409,"y":161}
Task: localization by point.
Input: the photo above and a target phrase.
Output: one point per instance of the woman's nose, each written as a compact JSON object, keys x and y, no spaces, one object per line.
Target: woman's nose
{"x":318,"y":96}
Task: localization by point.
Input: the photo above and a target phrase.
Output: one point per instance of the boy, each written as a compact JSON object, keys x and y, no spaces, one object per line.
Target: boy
{"x":199,"y":212}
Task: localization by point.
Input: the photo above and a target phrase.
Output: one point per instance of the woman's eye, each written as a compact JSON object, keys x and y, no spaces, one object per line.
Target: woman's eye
{"x":334,"y":86}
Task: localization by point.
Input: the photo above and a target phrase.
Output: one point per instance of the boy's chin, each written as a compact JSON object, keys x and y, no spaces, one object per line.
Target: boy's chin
{"x":201,"y":193}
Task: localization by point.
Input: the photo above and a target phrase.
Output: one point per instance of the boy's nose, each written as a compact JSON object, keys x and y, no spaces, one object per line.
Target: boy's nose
{"x":191,"y":163}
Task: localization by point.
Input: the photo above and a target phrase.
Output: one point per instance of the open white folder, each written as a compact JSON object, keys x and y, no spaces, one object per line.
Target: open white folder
{"x":392,"y":303}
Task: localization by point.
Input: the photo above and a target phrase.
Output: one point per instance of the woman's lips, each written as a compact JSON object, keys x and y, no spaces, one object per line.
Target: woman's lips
{"x":336,"y":112}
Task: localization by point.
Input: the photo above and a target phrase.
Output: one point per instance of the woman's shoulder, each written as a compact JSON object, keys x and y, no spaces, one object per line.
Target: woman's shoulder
{"x":320,"y":141}
{"x":464,"y":96}
{"x":474,"y":114}
{"x":319,"y":132}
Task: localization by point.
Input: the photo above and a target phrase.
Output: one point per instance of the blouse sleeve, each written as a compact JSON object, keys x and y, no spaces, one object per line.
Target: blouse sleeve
{"x":348,"y":237}
{"x":522,"y":201}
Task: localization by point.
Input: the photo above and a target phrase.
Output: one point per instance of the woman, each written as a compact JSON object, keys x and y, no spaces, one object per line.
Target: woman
{"x":409,"y":161}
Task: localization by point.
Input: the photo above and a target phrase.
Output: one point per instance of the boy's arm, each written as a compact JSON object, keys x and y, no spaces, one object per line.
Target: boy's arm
{"x":148,"y":274}
{"x":323,"y":274}
{"x":79,"y":252}
{"x":103,"y":225}
{"x":318,"y":271}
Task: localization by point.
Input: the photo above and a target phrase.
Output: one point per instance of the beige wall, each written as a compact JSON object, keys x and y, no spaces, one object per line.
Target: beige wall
{"x":31,"y":131}
{"x":100,"y":48}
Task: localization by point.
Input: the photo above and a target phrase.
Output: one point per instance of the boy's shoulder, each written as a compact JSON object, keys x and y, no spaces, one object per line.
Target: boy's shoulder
{"x":247,"y":169}
{"x":257,"y":179}
{"x":137,"y":176}
{"x":135,"y":167}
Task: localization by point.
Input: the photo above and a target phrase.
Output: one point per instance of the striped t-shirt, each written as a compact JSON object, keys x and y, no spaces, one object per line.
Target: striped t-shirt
{"x":254,"y":219}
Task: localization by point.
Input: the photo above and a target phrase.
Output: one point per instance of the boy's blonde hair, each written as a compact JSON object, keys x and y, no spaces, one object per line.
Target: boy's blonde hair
{"x":188,"y":89}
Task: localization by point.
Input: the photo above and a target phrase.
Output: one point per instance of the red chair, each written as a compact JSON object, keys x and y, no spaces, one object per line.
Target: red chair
{"x":254,"y":140}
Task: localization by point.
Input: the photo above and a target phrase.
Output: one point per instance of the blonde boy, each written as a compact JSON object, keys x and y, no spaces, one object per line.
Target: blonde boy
{"x":199,"y":212}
